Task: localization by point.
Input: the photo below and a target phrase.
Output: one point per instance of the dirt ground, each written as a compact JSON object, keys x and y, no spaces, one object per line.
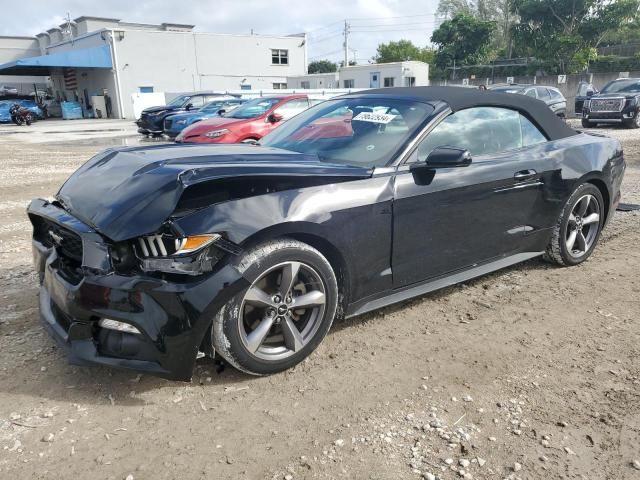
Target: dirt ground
{"x":531,"y":372}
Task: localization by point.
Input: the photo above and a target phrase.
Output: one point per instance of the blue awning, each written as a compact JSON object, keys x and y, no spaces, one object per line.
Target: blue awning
{"x":97,"y":57}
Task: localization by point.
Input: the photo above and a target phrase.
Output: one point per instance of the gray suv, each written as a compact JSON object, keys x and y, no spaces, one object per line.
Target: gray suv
{"x":549,"y":95}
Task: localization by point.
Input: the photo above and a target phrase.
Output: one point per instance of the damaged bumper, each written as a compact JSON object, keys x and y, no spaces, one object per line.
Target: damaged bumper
{"x":79,"y":289}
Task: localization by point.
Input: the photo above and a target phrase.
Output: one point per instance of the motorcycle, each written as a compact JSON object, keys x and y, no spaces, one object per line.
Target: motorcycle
{"x":21,"y":115}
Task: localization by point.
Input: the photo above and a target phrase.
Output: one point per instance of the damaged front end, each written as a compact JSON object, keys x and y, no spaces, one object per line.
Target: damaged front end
{"x":107,"y":303}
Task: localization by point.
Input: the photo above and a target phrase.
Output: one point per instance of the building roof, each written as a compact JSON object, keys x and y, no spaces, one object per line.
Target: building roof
{"x":460,"y":98}
{"x":99,"y":19}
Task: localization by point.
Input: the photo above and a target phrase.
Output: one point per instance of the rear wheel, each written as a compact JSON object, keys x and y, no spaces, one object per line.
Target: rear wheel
{"x":578,"y":229}
{"x":284,"y":314}
{"x":28,"y":118}
{"x":587,"y":124}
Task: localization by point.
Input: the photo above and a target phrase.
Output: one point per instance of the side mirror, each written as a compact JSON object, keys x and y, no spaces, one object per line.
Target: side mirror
{"x":274,"y":118}
{"x":221,"y":111}
{"x":448,"y":157}
{"x":189,"y":106}
{"x":590,"y":93}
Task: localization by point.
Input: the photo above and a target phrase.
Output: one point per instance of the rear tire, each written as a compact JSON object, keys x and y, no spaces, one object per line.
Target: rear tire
{"x":578,"y":228}
{"x":587,"y":124}
{"x":259,"y":331}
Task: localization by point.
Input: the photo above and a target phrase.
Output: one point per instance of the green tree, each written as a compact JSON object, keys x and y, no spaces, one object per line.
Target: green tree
{"x":322,"y":66}
{"x":463,"y":40}
{"x":565,"y":33}
{"x":498,"y":11}
{"x":399,"y":51}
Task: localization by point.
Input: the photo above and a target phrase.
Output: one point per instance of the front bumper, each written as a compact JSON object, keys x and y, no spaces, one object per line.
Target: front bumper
{"x":626,"y":115}
{"x":147,"y":126}
{"x":172,"y":316}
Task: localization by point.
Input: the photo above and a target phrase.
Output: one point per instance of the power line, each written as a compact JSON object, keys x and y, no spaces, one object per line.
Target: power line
{"x":391,"y":18}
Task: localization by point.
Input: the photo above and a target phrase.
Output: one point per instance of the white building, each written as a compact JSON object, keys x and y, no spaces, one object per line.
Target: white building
{"x":92,"y":55}
{"x":374,"y":75}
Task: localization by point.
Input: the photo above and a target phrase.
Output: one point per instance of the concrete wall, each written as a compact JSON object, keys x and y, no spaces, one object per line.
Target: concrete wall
{"x":361,"y":75}
{"x":315,"y":80}
{"x":568,"y":89}
{"x":183,"y":61}
{"x":14,"y":48}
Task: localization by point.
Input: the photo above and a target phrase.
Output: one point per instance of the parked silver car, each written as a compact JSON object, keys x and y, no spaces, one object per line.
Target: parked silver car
{"x":549,"y":95}
{"x":7,"y":90}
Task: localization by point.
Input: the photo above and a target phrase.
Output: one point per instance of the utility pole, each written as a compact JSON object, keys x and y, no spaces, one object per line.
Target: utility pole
{"x":346,"y":43}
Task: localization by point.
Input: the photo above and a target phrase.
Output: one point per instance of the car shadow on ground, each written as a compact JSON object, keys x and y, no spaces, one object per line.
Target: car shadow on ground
{"x":101,"y":385}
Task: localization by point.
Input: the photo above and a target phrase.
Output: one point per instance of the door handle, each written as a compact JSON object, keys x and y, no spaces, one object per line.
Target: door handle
{"x":524,"y":175}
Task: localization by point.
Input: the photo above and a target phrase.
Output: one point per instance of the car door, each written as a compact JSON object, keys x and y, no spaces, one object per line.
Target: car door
{"x":450,"y":219}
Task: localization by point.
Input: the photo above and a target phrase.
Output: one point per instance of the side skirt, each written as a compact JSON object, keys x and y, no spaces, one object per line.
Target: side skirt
{"x":442,"y":282}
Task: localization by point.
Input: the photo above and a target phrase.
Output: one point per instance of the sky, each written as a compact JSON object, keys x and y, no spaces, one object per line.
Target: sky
{"x":371,"y":21}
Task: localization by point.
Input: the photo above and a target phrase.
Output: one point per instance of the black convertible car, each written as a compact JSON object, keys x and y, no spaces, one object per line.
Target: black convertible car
{"x":152,"y":256}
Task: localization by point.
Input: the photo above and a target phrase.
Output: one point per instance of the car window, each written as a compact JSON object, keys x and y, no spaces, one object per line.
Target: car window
{"x":196,"y":101}
{"x":292,"y":108}
{"x":543,"y":93}
{"x":555,"y":94}
{"x":531,"y":135}
{"x":363,"y":131}
{"x":254,"y":108}
{"x":620,"y":86}
{"x":531,"y":93}
{"x":482,"y":131}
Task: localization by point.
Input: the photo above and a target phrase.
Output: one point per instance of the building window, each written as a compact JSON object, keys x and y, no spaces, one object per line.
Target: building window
{"x":145,"y":89}
{"x":388,"y":81}
{"x":409,"y":81}
{"x":348,"y":83}
{"x":279,"y":57}
{"x":245,"y":86}
{"x":279,"y":86}
{"x":305,"y":84}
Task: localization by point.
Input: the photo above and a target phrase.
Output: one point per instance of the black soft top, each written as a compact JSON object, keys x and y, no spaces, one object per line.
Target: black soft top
{"x":459,"y":98}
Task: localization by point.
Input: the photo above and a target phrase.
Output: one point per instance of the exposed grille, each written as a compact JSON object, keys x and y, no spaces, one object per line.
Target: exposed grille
{"x":607,"y":104}
{"x":67,"y":243}
{"x":156,"y":246}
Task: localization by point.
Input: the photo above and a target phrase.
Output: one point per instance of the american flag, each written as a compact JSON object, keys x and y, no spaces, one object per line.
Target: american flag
{"x":70,"y":79}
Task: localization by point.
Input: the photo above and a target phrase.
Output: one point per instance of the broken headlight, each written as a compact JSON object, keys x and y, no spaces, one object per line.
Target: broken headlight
{"x":189,"y":255}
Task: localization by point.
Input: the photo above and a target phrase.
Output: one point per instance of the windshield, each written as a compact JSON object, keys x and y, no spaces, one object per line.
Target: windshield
{"x":253,"y":108}
{"x":178,"y":101}
{"x":365,"y":131}
{"x":631,"y":85}
{"x":212,"y":106}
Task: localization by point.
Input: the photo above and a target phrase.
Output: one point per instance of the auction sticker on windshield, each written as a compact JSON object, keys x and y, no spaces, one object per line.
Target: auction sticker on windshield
{"x":374,"y":117}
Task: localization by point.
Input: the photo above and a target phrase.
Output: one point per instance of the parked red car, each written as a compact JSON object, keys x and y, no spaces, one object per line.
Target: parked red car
{"x":249,"y":122}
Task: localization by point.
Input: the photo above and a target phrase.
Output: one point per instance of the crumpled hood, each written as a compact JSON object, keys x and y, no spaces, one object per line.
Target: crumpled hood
{"x":127,"y":192}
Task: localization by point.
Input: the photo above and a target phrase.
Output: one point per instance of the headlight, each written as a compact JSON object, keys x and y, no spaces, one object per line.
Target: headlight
{"x":155,"y":114}
{"x":216,"y":133}
{"x":586,"y":104}
{"x":188,"y":255}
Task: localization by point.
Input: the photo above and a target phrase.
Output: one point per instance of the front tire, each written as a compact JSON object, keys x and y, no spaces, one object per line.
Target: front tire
{"x":578,"y":228}
{"x":635,"y":121}
{"x":587,"y":124}
{"x":284,"y":314}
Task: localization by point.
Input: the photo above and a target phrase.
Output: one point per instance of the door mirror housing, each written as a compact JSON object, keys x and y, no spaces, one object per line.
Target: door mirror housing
{"x":188,"y":106}
{"x":590,"y":93}
{"x":448,"y":157}
{"x":221,"y":111}
{"x":274,"y":118}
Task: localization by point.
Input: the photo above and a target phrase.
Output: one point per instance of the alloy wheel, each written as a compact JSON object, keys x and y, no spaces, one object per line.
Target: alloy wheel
{"x":282,"y":311}
{"x":583,"y":226}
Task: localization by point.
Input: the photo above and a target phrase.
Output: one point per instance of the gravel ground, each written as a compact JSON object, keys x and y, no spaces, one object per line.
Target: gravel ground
{"x":530,"y":372}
